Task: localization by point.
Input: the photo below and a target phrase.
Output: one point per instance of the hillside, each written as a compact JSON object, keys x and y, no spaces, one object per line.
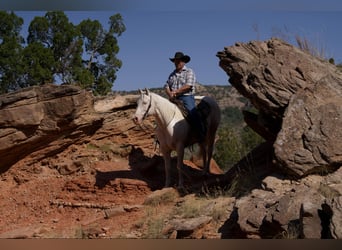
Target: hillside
{"x":225,"y":95}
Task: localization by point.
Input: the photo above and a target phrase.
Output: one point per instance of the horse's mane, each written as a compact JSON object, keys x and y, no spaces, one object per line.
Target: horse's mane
{"x":163,"y":99}
{"x":179,"y":104}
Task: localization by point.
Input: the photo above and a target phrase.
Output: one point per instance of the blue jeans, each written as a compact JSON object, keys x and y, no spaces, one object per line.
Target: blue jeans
{"x":188,"y":102}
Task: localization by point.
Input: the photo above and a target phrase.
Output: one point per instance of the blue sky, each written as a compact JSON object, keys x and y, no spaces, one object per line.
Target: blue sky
{"x":154,"y":33}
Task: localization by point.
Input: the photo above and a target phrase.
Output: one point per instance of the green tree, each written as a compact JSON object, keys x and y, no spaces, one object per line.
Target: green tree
{"x":234,"y":144}
{"x":250,"y":139}
{"x":11,"y":68}
{"x":228,"y":149}
{"x":232,"y":116}
{"x":55,"y":33}
{"x":84,"y":54}
{"x":57,"y":50}
{"x":39,"y":64}
{"x":101,"y":47}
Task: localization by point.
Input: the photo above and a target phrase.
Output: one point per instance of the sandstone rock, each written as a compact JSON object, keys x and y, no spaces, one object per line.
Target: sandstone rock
{"x":268,"y":73}
{"x":336,"y":219}
{"x":299,"y":98}
{"x":310,"y":220}
{"x":310,"y":139}
{"x":276,"y":185}
{"x":115,"y":103}
{"x":307,"y":208}
{"x":253,"y":210}
{"x":34,"y":118}
{"x":187,"y":228}
{"x":24,"y":233}
{"x":163,"y":196}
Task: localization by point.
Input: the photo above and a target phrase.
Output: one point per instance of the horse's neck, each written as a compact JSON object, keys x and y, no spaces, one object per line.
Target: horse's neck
{"x":164,"y":110}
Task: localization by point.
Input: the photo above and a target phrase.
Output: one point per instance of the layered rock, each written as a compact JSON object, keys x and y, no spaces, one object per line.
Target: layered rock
{"x":47,"y":118}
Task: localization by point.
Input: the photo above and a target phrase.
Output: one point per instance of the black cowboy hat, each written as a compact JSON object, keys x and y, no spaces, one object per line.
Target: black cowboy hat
{"x":181,"y":56}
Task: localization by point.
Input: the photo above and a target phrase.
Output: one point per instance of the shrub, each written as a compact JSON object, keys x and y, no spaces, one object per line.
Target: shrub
{"x":234,"y":144}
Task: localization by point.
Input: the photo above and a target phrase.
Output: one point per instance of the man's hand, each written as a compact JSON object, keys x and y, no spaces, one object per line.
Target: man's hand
{"x":174,"y":94}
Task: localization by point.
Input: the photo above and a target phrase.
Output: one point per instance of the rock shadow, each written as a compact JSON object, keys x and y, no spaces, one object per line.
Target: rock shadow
{"x":143,"y":168}
{"x":151,"y":171}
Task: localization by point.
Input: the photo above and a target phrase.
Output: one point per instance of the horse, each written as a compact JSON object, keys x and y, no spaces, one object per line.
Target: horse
{"x":174,"y":132}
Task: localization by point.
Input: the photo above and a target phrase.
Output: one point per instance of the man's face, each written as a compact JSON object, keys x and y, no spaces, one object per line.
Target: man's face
{"x":179,"y":64}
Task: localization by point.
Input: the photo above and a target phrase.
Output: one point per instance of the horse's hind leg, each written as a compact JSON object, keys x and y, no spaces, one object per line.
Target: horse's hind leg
{"x":209,"y":148}
{"x":204,"y":151}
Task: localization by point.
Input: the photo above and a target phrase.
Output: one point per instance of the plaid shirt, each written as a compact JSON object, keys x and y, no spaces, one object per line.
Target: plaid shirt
{"x":185,"y":77}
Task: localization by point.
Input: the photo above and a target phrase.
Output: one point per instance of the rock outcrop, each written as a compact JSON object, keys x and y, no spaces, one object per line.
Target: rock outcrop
{"x":47,"y":118}
{"x":308,"y":208}
{"x":299,"y":99}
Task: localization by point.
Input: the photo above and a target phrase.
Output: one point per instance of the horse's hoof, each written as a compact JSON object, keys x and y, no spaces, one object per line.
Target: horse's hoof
{"x":182,"y":190}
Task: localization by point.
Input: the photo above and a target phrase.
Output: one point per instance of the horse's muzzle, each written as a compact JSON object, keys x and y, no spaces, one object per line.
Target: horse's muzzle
{"x":136,"y":120}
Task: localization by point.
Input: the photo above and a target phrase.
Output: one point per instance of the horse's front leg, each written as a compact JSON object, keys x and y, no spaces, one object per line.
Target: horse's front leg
{"x":167,"y":165}
{"x":180,"y":156}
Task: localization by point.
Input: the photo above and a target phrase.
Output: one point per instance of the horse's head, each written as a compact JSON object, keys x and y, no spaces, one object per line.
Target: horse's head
{"x":143,"y":106}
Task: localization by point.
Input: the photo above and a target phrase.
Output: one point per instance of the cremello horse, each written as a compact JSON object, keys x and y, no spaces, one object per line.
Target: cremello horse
{"x":174,"y":132}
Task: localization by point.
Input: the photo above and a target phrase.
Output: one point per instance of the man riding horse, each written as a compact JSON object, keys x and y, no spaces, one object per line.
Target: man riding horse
{"x":180,"y":87}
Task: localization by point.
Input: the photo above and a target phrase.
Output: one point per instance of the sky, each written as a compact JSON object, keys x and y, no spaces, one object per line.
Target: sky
{"x":154,"y":33}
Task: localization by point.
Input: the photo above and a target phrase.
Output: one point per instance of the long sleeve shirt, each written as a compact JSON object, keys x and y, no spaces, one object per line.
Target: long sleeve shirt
{"x":185,"y":77}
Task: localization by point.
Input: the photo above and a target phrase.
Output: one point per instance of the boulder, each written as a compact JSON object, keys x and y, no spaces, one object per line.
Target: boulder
{"x":336,"y":219}
{"x":299,"y":99}
{"x":187,"y":228}
{"x":310,"y":139}
{"x":308,"y":208}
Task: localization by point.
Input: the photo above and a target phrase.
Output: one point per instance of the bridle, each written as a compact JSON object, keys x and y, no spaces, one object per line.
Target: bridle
{"x":148,"y":108}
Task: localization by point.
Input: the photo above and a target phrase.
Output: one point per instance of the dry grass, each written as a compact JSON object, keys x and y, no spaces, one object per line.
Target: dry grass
{"x":306,"y":45}
{"x":190,"y":208}
{"x":154,"y":224}
{"x":161,"y":199}
{"x":158,"y":214}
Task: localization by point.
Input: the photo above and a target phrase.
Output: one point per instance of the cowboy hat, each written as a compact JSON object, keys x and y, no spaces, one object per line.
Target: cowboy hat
{"x":181,"y":56}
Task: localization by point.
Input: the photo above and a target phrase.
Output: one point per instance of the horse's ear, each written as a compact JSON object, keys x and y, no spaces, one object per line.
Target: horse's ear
{"x":140,"y":91}
{"x":147,"y":91}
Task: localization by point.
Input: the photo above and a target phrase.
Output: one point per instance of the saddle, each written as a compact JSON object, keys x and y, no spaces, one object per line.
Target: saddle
{"x":202,"y":108}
